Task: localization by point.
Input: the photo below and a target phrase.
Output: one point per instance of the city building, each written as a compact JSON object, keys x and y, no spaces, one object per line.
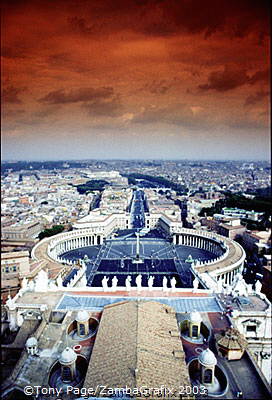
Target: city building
{"x":256,"y":241}
{"x":232,"y":229}
{"x":130,"y":297}
{"x":22,"y":231}
{"x":240,"y":213}
{"x":14,"y":266}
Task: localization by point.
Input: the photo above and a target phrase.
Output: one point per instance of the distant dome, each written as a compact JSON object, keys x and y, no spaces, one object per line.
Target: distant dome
{"x":195,"y":316}
{"x":31,"y":342}
{"x":207,"y":357}
{"x":82,"y":316}
{"x":67,"y":356}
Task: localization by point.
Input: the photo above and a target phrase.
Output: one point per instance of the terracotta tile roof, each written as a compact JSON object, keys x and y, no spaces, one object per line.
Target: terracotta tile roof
{"x":138,"y":345}
{"x":113,"y":359}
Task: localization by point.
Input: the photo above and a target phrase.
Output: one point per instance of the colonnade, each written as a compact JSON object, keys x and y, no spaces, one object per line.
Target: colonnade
{"x":56,"y":249}
{"x":228,"y":259}
{"x":220,"y":247}
{"x":199,"y":242}
{"x":228,"y":276}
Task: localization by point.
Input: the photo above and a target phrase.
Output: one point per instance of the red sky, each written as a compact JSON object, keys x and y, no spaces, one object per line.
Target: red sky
{"x":135,"y":79}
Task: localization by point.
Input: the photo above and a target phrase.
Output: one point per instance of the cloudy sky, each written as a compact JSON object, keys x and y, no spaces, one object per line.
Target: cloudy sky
{"x":135,"y":79}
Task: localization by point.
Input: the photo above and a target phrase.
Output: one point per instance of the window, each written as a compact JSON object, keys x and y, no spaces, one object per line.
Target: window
{"x":81,"y":329}
{"x":195,"y":331}
{"x":14,"y":268}
{"x":7,"y":269}
{"x":208,"y":376}
{"x":251,"y":328}
{"x":66,"y":374}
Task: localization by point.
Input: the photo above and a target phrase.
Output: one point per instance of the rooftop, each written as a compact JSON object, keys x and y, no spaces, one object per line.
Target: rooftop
{"x":143,"y":348}
{"x":232,"y":339}
{"x":14,"y":254}
{"x":180,"y":304}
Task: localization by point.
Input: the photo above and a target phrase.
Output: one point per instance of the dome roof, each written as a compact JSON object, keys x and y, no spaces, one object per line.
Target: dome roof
{"x":207,"y":357}
{"x":32,"y":341}
{"x":82,"y":316}
{"x":195,"y":316}
{"x":67,"y":356}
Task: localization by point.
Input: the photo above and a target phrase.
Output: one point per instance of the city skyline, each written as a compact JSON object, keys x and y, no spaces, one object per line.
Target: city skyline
{"x":137,"y":80}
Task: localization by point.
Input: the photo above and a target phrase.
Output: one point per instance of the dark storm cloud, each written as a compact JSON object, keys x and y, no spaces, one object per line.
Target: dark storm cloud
{"x":13,"y":52}
{"x":256,"y":98}
{"x":245,"y":15}
{"x":158,"y":17}
{"x":231,"y":78}
{"x":104,"y":108}
{"x":77,"y":95}
{"x":79,"y":25}
{"x":10,"y":94}
{"x":97,"y":101}
{"x":57,"y":59}
{"x":169,"y":17}
{"x":67,"y":62}
{"x":158,"y":87}
{"x":260,"y":76}
{"x":228,"y":79}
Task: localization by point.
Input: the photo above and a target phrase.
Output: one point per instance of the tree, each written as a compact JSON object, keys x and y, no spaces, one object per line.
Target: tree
{"x":51,"y":231}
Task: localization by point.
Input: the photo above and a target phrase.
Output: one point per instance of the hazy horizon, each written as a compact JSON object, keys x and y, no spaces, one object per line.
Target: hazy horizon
{"x":136,"y":159}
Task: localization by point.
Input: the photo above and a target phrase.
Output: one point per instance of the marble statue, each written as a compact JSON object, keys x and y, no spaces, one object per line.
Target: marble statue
{"x":238,"y":277}
{"x":258,"y":287}
{"x":164,"y":284}
{"x":138,"y":281}
{"x":24,"y":284}
{"x":12,"y":314}
{"x":20,"y":320}
{"x":250,"y":288}
{"x":240,"y":287}
{"x":151,"y":282}
{"x":128,"y":282}
{"x":59,"y":281}
{"x":41,"y":284}
{"x":229,"y":289}
{"x":52,"y":285}
{"x":10,"y":303}
{"x":105,"y":283}
{"x":13,"y":322}
{"x":173,"y":282}
{"x":195,"y":283}
{"x":114,"y":283}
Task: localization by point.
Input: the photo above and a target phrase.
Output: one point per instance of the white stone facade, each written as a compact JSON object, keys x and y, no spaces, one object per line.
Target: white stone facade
{"x":256,"y":327}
